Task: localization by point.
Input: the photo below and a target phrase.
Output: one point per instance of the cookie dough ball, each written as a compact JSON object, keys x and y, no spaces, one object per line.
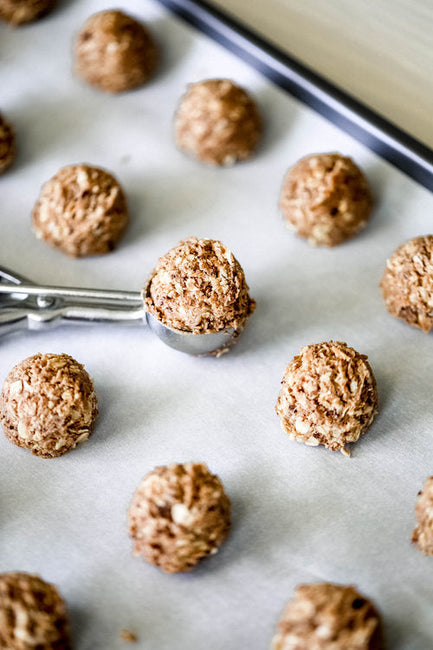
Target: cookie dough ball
{"x":329,"y":617}
{"x":407,"y":283}
{"x":32,"y":614}
{"x":48,"y":404}
{"x":328,"y":396}
{"x":326,"y":199}
{"x":114,"y":52}
{"x":217,"y":122}
{"x":7,"y":144}
{"x":179,"y":515}
{"x":423,"y":533}
{"x":82,"y":211}
{"x":199,"y":287}
{"x":20,"y":12}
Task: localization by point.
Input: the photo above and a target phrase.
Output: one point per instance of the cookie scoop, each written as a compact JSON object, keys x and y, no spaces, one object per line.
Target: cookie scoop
{"x":179,"y":515}
{"x":196,"y":300}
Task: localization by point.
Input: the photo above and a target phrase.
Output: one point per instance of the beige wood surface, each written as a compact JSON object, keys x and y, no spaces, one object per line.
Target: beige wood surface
{"x":381,"y":51}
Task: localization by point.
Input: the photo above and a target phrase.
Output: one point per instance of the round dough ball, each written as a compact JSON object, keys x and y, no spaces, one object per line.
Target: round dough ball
{"x":82,"y":211}
{"x":114,"y":52}
{"x":7,"y":144}
{"x":326,"y":199}
{"x":179,"y":515}
{"x":329,"y":617}
{"x":407,"y":283}
{"x":199,"y":287}
{"x":423,"y":533}
{"x":328,"y":396}
{"x":32,"y":614}
{"x":48,"y":404}
{"x":217,"y":122}
{"x":20,"y":12}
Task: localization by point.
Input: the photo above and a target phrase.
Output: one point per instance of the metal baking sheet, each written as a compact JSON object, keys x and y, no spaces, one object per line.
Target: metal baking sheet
{"x":299,"y":514}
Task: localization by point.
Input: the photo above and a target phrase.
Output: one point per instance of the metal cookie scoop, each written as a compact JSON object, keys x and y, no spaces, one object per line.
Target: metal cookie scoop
{"x":28,"y":306}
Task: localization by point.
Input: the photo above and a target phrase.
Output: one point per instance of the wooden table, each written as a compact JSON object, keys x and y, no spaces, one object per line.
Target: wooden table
{"x":378,"y":51}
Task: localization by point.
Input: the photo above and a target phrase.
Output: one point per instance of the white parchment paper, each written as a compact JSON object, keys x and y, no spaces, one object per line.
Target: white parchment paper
{"x":300,"y":514}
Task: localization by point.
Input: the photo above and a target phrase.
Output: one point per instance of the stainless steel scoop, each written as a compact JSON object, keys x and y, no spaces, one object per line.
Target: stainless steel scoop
{"x":25,"y":305}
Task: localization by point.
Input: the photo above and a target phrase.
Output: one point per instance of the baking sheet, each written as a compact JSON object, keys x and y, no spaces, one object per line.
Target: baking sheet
{"x":300,"y":514}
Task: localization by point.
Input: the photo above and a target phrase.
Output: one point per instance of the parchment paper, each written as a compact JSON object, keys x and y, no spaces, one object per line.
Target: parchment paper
{"x":300,"y":514}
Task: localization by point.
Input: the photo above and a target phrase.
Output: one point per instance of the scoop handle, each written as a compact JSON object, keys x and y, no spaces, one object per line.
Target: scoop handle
{"x":25,"y":305}
{"x":66,"y":293}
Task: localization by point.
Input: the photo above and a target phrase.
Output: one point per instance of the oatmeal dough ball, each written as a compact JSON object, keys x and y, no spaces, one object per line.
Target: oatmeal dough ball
{"x":407,"y":283}
{"x":328,"y":396}
{"x":48,"y":404}
{"x":179,"y":515}
{"x":114,"y":52}
{"x":33,"y":615}
{"x":82,"y":211}
{"x":7,"y":144}
{"x":20,"y":12}
{"x":329,"y":617}
{"x":423,"y":533}
{"x":199,"y":287}
{"x":326,"y":199}
{"x":217,"y":122}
